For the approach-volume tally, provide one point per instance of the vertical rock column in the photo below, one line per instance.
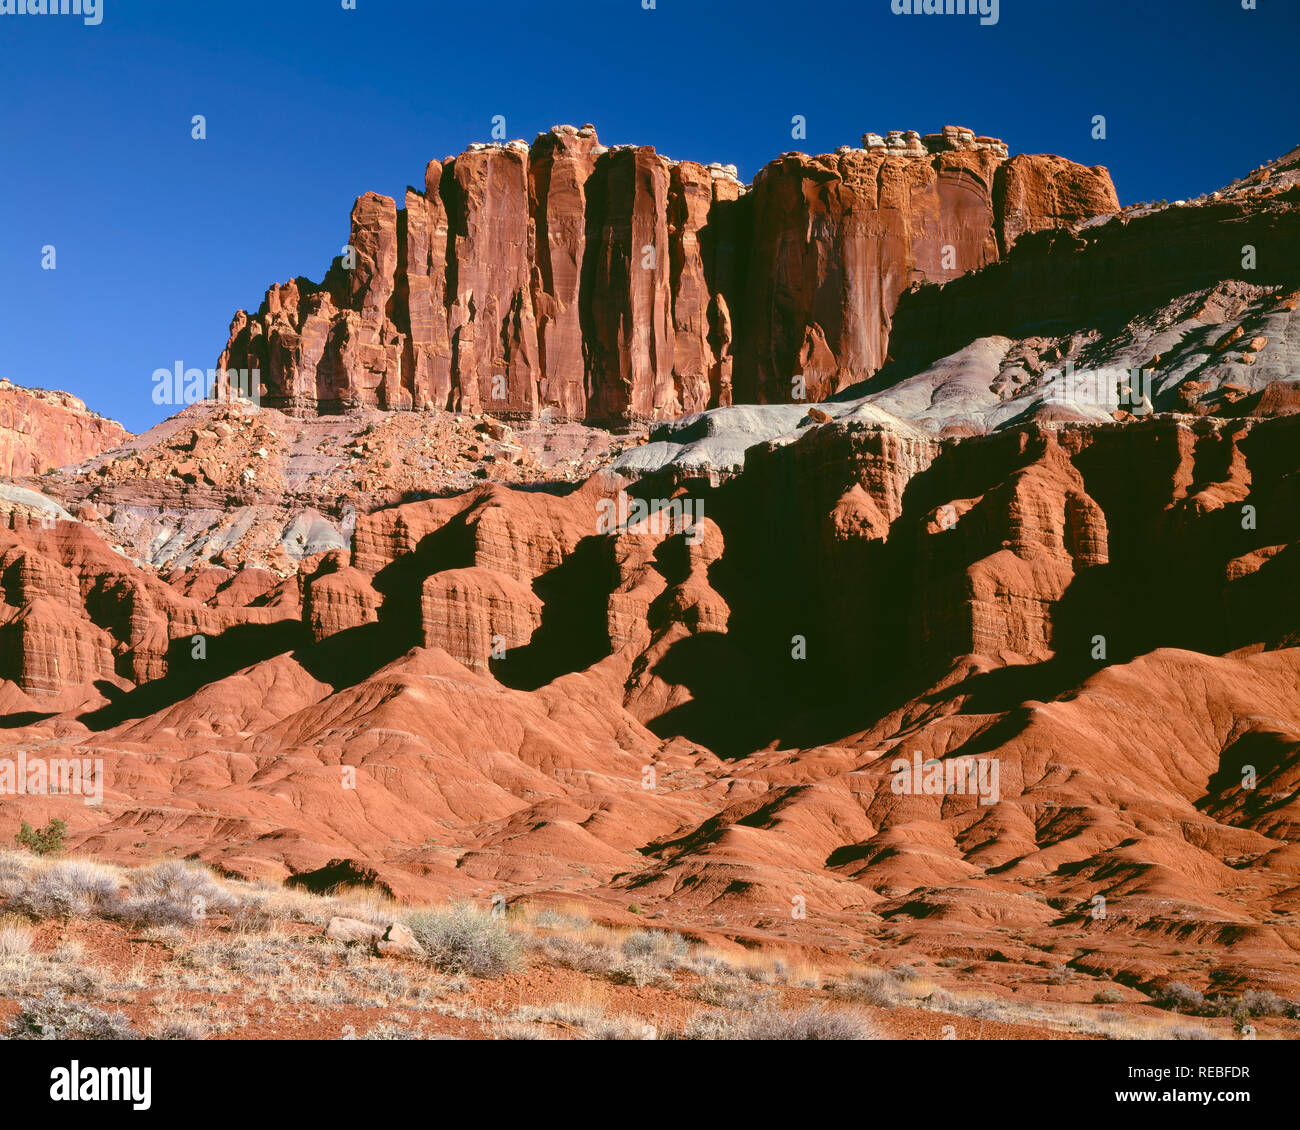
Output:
(428, 352)
(626, 296)
(369, 342)
(560, 164)
(493, 327)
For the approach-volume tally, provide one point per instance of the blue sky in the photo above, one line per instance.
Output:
(160, 238)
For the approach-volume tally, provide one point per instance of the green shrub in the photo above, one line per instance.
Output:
(42, 841)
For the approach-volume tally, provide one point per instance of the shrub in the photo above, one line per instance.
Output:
(68, 890)
(1262, 1002)
(180, 1028)
(558, 920)
(42, 841)
(713, 1026)
(875, 988)
(812, 1023)
(464, 938)
(520, 1030)
(589, 1019)
(1108, 996)
(15, 937)
(655, 944)
(617, 1028)
(1177, 997)
(52, 1017)
(638, 971)
(15, 869)
(173, 893)
(729, 994)
(386, 1030)
(582, 956)
(249, 955)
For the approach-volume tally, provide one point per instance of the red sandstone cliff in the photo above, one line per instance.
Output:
(576, 282)
(40, 430)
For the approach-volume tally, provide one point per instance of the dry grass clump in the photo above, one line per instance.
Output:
(180, 1028)
(811, 1023)
(249, 955)
(876, 987)
(585, 1020)
(639, 971)
(391, 1030)
(15, 868)
(729, 993)
(53, 1017)
(15, 936)
(172, 893)
(655, 945)
(580, 956)
(68, 889)
(556, 919)
(1178, 997)
(464, 938)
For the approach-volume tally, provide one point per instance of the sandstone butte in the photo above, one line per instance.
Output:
(1102, 604)
(615, 285)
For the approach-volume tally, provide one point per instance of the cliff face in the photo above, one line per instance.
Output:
(1107, 274)
(578, 282)
(40, 430)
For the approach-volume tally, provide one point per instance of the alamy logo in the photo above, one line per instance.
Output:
(1108, 389)
(959, 776)
(660, 516)
(75, 1083)
(179, 385)
(56, 776)
(90, 10)
(987, 10)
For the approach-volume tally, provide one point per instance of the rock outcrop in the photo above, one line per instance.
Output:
(40, 430)
(570, 281)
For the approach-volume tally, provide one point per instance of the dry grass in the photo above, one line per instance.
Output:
(814, 1022)
(903, 987)
(226, 955)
